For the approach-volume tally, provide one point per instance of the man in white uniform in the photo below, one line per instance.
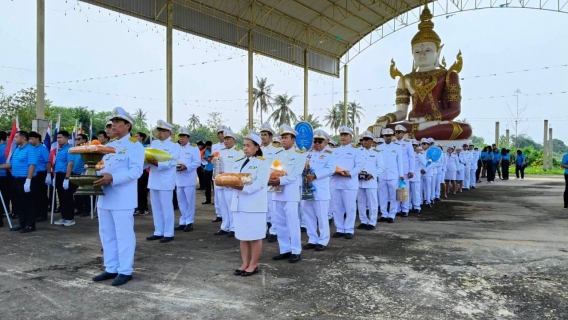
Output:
(315, 211)
(217, 148)
(473, 169)
(286, 202)
(389, 179)
(229, 155)
(415, 192)
(345, 184)
(186, 180)
(161, 184)
(466, 158)
(407, 164)
(367, 195)
(269, 153)
(119, 180)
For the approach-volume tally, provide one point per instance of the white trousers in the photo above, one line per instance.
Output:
(426, 188)
(301, 215)
(315, 215)
(288, 226)
(163, 212)
(270, 215)
(435, 183)
(404, 205)
(466, 178)
(186, 203)
(116, 229)
(388, 194)
(330, 210)
(415, 193)
(367, 198)
(217, 200)
(344, 209)
(225, 198)
(438, 186)
(472, 179)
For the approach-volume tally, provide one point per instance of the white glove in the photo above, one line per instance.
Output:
(48, 179)
(27, 185)
(66, 184)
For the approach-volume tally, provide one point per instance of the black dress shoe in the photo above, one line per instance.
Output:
(294, 258)
(303, 229)
(320, 247)
(330, 221)
(105, 276)
(18, 228)
(370, 227)
(188, 227)
(382, 219)
(390, 220)
(349, 236)
(272, 238)
(206, 202)
(231, 234)
(166, 239)
(246, 273)
(362, 226)
(405, 214)
(121, 279)
(218, 219)
(180, 227)
(41, 219)
(84, 214)
(27, 230)
(238, 272)
(309, 246)
(338, 235)
(429, 205)
(282, 256)
(437, 199)
(152, 238)
(473, 187)
(221, 232)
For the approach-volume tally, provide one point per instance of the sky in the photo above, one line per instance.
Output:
(84, 42)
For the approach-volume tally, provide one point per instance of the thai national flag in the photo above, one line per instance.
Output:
(53, 149)
(11, 145)
(47, 140)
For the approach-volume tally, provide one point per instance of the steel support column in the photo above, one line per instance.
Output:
(169, 62)
(345, 95)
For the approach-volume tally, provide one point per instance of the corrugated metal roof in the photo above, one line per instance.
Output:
(282, 29)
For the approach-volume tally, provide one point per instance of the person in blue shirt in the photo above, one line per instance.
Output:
(208, 171)
(4, 178)
(42, 178)
(565, 166)
(63, 168)
(497, 161)
(487, 158)
(23, 163)
(82, 203)
(505, 163)
(520, 164)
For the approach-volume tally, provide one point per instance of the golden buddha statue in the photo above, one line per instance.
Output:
(435, 91)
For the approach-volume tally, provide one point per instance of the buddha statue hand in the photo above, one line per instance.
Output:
(381, 123)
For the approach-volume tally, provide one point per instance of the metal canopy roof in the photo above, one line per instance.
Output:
(282, 29)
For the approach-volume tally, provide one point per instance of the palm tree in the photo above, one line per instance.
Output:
(334, 117)
(262, 96)
(140, 118)
(354, 112)
(314, 121)
(282, 113)
(193, 121)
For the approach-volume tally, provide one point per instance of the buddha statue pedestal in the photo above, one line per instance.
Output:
(434, 91)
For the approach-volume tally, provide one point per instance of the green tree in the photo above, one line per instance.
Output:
(262, 96)
(478, 141)
(354, 114)
(193, 122)
(140, 118)
(334, 117)
(214, 120)
(282, 113)
(314, 121)
(22, 105)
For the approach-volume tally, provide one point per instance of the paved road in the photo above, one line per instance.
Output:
(499, 252)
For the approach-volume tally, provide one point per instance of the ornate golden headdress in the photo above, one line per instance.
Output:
(426, 31)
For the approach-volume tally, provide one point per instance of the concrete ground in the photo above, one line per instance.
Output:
(498, 252)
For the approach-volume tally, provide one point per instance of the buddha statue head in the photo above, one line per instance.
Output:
(426, 44)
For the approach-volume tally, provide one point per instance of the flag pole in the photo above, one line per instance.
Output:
(6, 210)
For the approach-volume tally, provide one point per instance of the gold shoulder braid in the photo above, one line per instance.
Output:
(132, 139)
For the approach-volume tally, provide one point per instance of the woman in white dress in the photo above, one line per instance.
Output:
(452, 168)
(249, 205)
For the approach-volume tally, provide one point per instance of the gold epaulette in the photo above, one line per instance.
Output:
(261, 158)
(406, 140)
(377, 150)
(237, 148)
(328, 151)
(299, 151)
(132, 139)
(193, 145)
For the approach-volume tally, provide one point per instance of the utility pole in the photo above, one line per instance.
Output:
(516, 117)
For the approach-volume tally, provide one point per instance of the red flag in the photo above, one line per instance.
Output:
(11, 145)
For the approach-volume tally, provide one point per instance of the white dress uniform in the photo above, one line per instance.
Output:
(344, 189)
(415, 191)
(407, 166)
(217, 148)
(161, 185)
(473, 170)
(461, 166)
(428, 177)
(316, 211)
(115, 207)
(388, 181)
(229, 157)
(269, 153)
(467, 168)
(248, 206)
(286, 202)
(452, 166)
(186, 181)
(330, 210)
(373, 164)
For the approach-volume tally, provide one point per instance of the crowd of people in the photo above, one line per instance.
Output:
(346, 178)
